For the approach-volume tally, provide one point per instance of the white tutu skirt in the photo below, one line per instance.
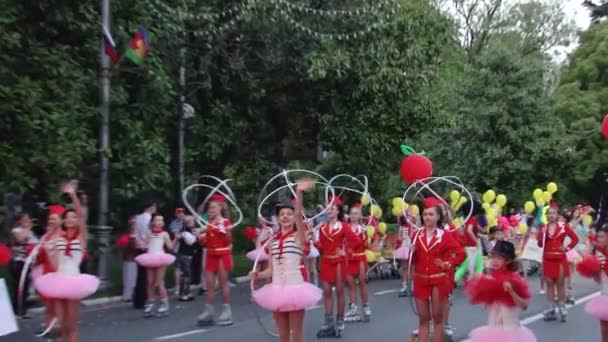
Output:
(254, 254)
(154, 260)
(314, 253)
(63, 286)
(287, 298)
(598, 308)
(402, 253)
(499, 334)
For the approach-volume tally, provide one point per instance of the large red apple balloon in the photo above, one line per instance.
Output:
(605, 127)
(415, 167)
(5, 254)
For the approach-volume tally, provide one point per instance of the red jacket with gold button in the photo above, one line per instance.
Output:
(443, 247)
(554, 243)
(357, 253)
(332, 239)
(218, 237)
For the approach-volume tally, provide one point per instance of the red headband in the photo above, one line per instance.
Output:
(430, 202)
(357, 205)
(56, 209)
(218, 198)
(335, 200)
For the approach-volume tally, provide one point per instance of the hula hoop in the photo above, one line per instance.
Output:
(285, 174)
(214, 190)
(424, 184)
(255, 310)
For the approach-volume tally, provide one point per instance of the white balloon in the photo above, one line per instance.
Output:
(188, 238)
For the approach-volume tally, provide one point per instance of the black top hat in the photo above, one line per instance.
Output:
(504, 249)
(288, 203)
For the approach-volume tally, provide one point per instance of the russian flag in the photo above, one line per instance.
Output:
(109, 46)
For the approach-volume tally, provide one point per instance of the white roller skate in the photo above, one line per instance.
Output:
(328, 329)
(570, 296)
(163, 308)
(225, 318)
(206, 318)
(550, 314)
(149, 309)
(367, 313)
(340, 325)
(562, 312)
(352, 314)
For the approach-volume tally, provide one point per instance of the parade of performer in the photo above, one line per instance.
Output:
(66, 286)
(434, 254)
(217, 239)
(156, 260)
(505, 294)
(288, 295)
(555, 264)
(334, 237)
(595, 265)
(357, 269)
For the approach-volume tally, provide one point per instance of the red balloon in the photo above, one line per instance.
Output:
(605, 127)
(415, 167)
(5, 254)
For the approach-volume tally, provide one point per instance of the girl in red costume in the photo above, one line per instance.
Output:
(357, 268)
(555, 265)
(434, 254)
(505, 293)
(217, 238)
(66, 286)
(334, 236)
(595, 265)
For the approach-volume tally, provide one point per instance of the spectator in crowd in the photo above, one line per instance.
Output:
(142, 229)
(22, 239)
(175, 227)
(129, 267)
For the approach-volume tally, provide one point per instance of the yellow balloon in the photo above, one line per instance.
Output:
(523, 228)
(414, 210)
(489, 196)
(460, 203)
(374, 209)
(540, 202)
(370, 255)
(537, 194)
(382, 228)
(454, 195)
(486, 206)
(366, 199)
(501, 200)
(370, 231)
(529, 207)
(552, 187)
(378, 213)
(398, 202)
(492, 222)
(397, 212)
(491, 213)
(547, 197)
(587, 220)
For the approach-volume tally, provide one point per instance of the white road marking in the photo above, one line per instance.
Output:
(185, 333)
(380, 293)
(540, 316)
(313, 307)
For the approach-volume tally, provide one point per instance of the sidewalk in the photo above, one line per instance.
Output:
(107, 301)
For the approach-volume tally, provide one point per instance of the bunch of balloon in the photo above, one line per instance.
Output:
(491, 208)
(457, 200)
(399, 206)
(543, 198)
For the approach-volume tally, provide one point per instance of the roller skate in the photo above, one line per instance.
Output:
(403, 292)
(562, 312)
(328, 329)
(149, 309)
(352, 314)
(367, 313)
(163, 308)
(225, 318)
(570, 296)
(340, 325)
(550, 315)
(206, 318)
(414, 336)
(448, 333)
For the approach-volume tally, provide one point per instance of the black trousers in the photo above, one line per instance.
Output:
(15, 268)
(197, 265)
(140, 294)
(184, 263)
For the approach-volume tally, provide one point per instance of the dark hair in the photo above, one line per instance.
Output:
(493, 230)
(155, 215)
(514, 265)
(65, 215)
(439, 212)
(21, 215)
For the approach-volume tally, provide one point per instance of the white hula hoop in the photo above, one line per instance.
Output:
(214, 190)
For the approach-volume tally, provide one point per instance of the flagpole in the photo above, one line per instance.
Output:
(102, 230)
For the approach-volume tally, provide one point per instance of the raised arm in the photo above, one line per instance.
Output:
(301, 186)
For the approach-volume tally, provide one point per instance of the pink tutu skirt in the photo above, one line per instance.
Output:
(154, 260)
(497, 334)
(62, 286)
(402, 253)
(254, 254)
(287, 298)
(572, 256)
(598, 308)
(36, 272)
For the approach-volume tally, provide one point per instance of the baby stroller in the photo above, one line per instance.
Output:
(380, 257)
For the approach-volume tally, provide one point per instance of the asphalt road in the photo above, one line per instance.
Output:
(392, 320)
